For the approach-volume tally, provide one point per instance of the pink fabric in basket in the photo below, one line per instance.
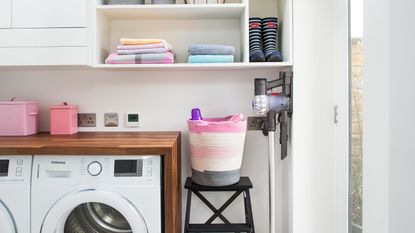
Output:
(216, 152)
(229, 124)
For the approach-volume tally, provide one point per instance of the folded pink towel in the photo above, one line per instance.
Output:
(230, 124)
(150, 58)
(146, 46)
(141, 51)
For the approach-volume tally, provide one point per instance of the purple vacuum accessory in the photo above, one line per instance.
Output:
(196, 114)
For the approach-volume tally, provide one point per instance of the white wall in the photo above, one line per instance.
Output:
(389, 160)
(376, 118)
(164, 101)
(402, 115)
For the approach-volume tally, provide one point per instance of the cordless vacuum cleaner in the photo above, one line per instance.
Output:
(271, 105)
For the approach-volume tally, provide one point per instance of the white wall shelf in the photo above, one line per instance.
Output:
(186, 66)
(179, 11)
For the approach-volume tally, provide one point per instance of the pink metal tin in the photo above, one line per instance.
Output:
(63, 119)
(18, 118)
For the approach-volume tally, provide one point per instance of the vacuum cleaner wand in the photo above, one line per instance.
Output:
(271, 105)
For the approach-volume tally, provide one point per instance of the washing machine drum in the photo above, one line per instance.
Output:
(95, 217)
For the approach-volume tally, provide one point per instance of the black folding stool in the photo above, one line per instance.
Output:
(242, 187)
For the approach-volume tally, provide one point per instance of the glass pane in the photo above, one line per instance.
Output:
(356, 190)
(96, 218)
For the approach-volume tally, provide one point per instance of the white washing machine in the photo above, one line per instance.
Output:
(15, 174)
(96, 194)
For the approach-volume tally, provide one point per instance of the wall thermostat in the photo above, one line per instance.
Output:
(133, 120)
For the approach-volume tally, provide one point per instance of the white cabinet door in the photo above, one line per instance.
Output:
(43, 56)
(49, 13)
(5, 13)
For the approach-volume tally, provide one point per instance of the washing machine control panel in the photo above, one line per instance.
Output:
(121, 169)
(14, 169)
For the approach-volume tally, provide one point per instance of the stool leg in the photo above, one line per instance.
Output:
(246, 208)
(250, 216)
(188, 208)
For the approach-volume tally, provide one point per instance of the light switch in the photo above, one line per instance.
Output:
(111, 119)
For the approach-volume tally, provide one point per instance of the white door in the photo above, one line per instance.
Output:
(49, 13)
(6, 220)
(93, 211)
(319, 144)
(5, 13)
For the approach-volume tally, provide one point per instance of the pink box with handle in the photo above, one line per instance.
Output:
(18, 118)
(63, 119)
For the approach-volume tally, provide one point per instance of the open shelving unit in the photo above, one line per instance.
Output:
(176, 11)
(184, 24)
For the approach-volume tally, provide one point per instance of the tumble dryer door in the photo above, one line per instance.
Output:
(93, 210)
(7, 224)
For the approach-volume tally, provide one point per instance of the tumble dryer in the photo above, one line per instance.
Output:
(96, 194)
(15, 174)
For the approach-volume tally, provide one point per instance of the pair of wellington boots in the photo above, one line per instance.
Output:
(263, 40)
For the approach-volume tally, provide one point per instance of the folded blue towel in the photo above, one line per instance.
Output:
(206, 49)
(211, 58)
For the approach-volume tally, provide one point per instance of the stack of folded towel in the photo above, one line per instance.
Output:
(205, 53)
(142, 51)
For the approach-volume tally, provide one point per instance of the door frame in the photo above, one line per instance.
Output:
(342, 110)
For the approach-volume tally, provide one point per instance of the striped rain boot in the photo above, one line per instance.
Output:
(255, 40)
(270, 39)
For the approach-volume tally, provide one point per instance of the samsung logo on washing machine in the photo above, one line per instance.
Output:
(58, 162)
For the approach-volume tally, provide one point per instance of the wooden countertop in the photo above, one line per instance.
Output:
(90, 143)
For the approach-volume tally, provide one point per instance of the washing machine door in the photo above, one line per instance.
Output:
(94, 211)
(7, 224)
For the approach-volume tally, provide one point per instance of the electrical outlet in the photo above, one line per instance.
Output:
(255, 123)
(87, 120)
(111, 119)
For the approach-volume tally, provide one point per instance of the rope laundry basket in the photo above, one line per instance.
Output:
(205, 1)
(216, 146)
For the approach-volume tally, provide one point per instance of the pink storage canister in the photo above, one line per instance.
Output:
(18, 118)
(63, 119)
